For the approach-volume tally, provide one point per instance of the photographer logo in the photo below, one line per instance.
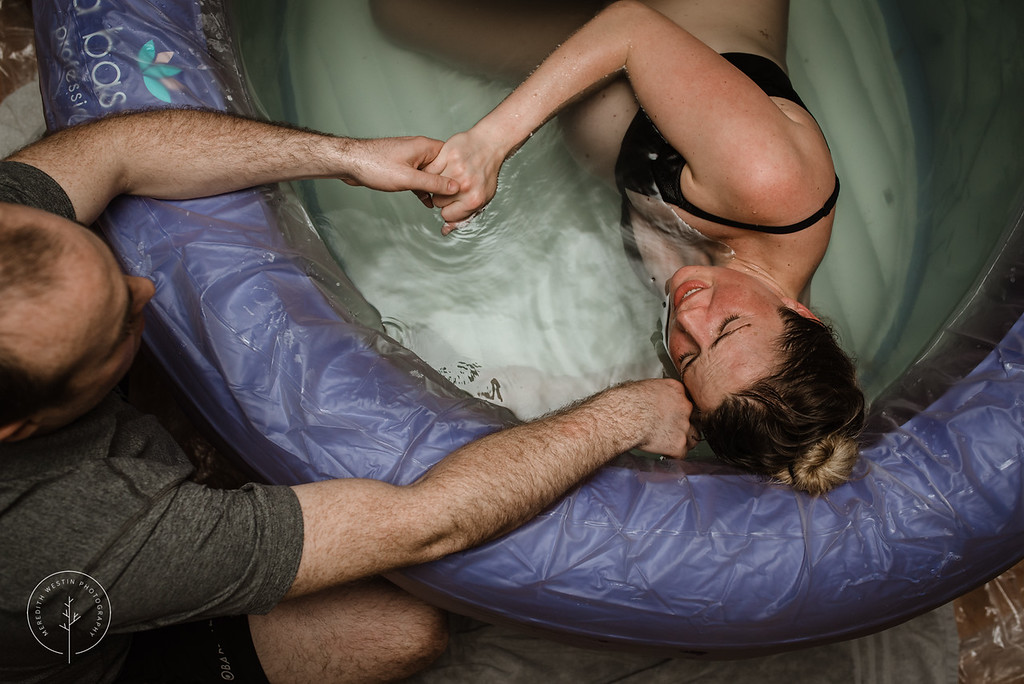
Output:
(68, 613)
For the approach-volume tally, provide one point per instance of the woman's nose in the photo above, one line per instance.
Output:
(694, 322)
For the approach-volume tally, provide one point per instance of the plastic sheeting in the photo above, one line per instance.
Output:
(991, 625)
(685, 558)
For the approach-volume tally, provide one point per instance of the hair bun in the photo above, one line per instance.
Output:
(826, 465)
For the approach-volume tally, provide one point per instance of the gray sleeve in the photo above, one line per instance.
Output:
(27, 185)
(109, 496)
(199, 552)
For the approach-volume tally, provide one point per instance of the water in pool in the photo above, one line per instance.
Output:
(534, 304)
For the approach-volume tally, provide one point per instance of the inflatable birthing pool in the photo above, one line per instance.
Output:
(313, 370)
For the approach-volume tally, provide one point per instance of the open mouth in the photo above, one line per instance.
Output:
(687, 289)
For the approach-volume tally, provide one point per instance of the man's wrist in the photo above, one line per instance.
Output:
(616, 414)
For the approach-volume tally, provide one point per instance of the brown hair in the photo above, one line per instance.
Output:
(26, 257)
(800, 424)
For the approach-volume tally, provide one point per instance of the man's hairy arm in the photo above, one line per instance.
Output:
(183, 153)
(356, 528)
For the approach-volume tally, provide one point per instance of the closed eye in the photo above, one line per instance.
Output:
(721, 329)
(686, 360)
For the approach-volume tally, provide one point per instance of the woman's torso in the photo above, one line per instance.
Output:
(596, 127)
(648, 166)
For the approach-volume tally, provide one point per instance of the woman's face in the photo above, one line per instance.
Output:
(721, 330)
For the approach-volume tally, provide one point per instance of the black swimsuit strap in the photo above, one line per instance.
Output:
(648, 164)
(768, 75)
(691, 208)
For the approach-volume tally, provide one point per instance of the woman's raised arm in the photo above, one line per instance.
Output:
(735, 138)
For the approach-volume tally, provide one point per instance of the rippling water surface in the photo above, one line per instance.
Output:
(533, 304)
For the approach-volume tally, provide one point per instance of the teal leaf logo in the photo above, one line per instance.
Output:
(157, 73)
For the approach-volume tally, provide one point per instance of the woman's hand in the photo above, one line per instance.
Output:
(473, 160)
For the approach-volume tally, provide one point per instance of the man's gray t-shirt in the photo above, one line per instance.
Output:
(108, 498)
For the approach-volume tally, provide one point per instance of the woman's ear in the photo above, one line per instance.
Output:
(799, 308)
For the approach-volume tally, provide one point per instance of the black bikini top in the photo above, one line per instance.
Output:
(647, 163)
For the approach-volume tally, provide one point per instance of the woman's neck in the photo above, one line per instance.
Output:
(777, 284)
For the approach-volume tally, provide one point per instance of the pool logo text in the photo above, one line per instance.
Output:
(93, 67)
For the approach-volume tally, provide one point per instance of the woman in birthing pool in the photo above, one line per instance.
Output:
(728, 190)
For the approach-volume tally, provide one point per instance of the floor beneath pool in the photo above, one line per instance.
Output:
(989, 620)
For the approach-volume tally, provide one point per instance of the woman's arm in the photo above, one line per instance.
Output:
(742, 148)
(178, 154)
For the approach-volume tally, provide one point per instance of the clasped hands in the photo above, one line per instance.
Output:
(460, 177)
(473, 161)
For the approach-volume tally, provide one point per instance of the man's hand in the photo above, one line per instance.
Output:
(186, 153)
(395, 164)
(662, 410)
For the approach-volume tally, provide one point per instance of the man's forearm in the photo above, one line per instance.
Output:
(180, 154)
(495, 484)
(355, 528)
(176, 154)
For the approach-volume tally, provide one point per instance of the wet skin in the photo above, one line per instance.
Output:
(722, 327)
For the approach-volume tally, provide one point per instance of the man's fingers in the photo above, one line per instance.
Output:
(422, 181)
